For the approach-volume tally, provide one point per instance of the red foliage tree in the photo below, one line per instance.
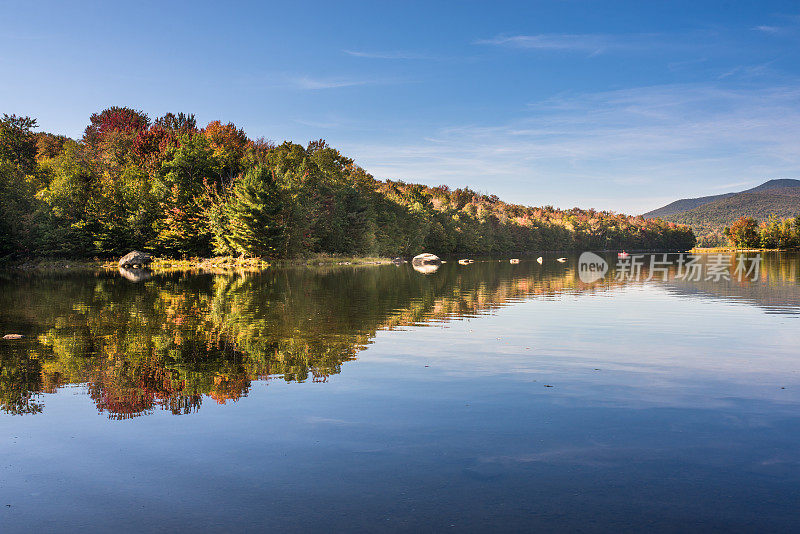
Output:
(229, 144)
(120, 119)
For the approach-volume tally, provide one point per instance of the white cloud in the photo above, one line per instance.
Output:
(598, 43)
(309, 83)
(576, 42)
(387, 55)
(687, 48)
(625, 147)
(318, 124)
(788, 27)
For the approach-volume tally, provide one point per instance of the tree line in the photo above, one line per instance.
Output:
(774, 233)
(173, 188)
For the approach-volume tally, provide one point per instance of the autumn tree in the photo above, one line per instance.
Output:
(229, 145)
(254, 220)
(18, 182)
(743, 233)
(49, 145)
(188, 180)
(18, 142)
(114, 119)
(179, 123)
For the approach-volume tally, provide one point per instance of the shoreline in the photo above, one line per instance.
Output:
(212, 265)
(712, 250)
(223, 264)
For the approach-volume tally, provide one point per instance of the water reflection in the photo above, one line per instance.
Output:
(135, 275)
(427, 268)
(169, 342)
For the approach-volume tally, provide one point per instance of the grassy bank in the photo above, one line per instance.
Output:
(217, 264)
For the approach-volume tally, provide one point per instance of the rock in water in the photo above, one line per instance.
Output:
(426, 259)
(135, 259)
(12, 336)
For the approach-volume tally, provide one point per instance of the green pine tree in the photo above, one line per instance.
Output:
(252, 221)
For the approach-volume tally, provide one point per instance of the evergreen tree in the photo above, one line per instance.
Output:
(185, 189)
(253, 221)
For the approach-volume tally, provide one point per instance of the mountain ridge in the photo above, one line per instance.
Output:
(686, 204)
(708, 216)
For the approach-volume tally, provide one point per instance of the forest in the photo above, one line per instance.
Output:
(709, 220)
(172, 188)
(774, 233)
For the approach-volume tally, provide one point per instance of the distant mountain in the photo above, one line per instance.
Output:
(759, 205)
(709, 215)
(784, 183)
(682, 205)
(687, 204)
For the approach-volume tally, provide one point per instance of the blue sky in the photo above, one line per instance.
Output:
(611, 105)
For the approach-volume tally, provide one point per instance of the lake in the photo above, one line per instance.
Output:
(482, 397)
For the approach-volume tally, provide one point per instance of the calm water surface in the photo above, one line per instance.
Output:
(485, 397)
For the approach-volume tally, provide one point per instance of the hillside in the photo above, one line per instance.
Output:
(715, 215)
(170, 187)
(708, 216)
(686, 204)
(682, 205)
(783, 183)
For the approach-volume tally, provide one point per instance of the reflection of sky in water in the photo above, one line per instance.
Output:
(635, 344)
(666, 413)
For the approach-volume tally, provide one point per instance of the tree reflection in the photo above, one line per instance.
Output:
(173, 341)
